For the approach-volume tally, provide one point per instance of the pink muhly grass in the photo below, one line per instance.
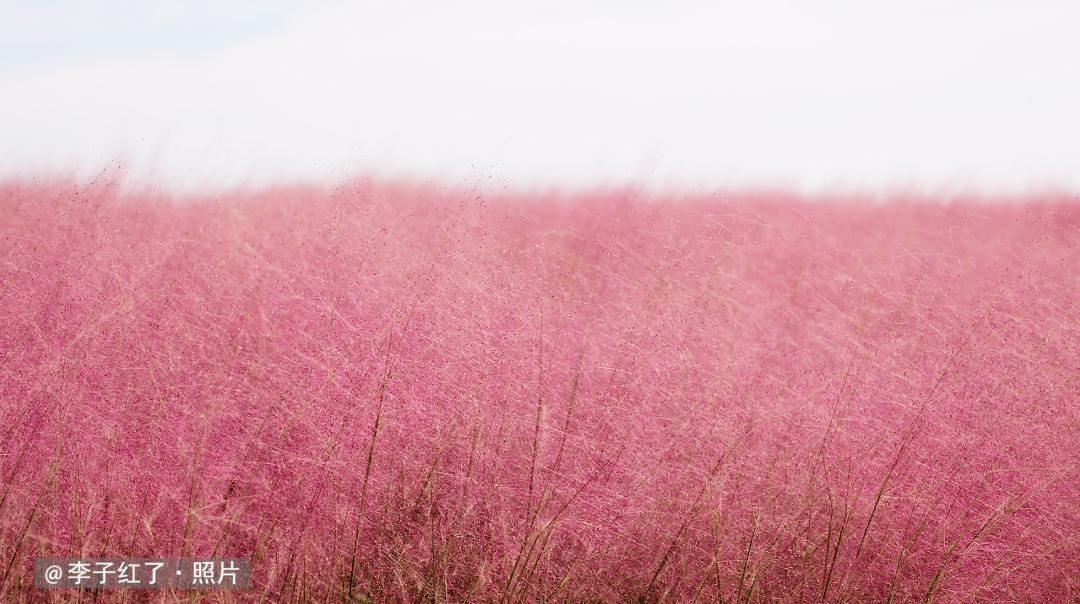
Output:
(385, 392)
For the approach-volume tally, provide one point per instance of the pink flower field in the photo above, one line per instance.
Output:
(393, 392)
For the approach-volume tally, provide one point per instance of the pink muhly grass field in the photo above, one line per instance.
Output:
(384, 392)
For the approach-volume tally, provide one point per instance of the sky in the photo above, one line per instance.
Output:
(809, 96)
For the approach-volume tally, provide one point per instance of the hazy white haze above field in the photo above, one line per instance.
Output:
(840, 93)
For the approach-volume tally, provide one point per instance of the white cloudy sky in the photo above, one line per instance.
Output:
(797, 94)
